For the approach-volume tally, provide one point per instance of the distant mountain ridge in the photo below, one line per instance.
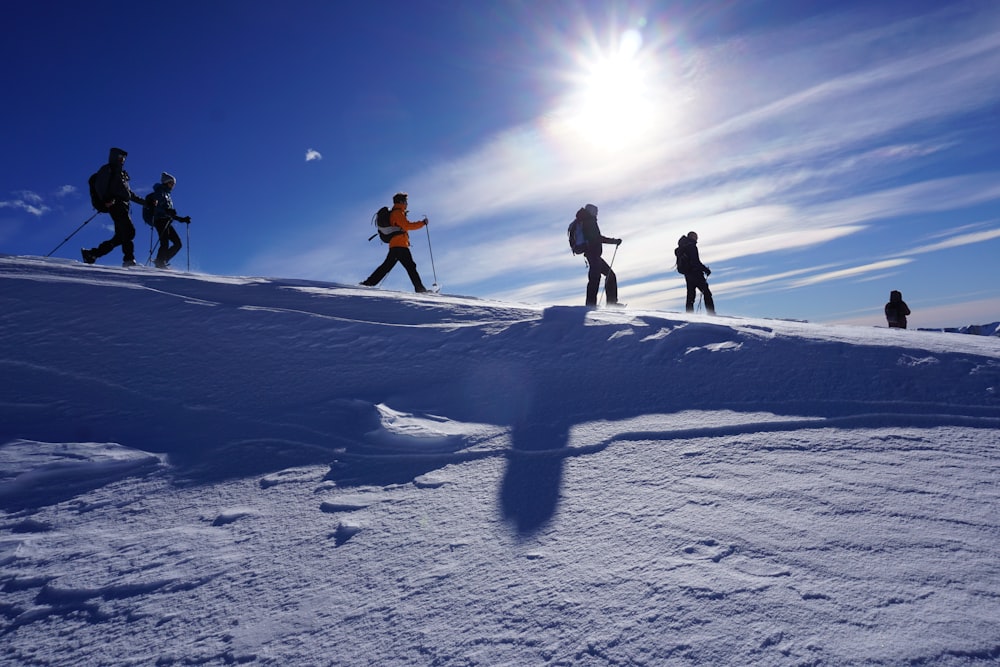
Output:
(974, 329)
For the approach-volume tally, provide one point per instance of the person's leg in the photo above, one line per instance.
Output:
(124, 234)
(598, 268)
(173, 242)
(691, 281)
(611, 287)
(709, 302)
(124, 231)
(383, 269)
(406, 259)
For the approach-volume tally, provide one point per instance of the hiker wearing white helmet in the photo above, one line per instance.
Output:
(159, 212)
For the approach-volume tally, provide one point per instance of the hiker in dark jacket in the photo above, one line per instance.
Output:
(163, 217)
(694, 272)
(112, 182)
(896, 310)
(598, 267)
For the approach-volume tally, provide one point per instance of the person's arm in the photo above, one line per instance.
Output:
(398, 218)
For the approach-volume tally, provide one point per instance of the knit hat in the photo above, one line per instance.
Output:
(167, 178)
(591, 209)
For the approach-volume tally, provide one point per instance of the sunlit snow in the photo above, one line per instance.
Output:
(218, 470)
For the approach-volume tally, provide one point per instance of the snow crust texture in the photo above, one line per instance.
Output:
(206, 470)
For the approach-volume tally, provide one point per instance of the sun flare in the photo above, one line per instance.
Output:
(612, 105)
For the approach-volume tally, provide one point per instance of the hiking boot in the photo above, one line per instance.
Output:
(160, 264)
(88, 256)
(128, 263)
(421, 289)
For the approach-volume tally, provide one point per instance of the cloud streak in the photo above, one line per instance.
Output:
(27, 201)
(788, 150)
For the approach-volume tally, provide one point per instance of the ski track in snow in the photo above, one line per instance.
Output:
(532, 486)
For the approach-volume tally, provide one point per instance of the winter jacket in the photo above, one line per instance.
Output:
(397, 217)
(896, 310)
(164, 207)
(113, 180)
(690, 248)
(592, 234)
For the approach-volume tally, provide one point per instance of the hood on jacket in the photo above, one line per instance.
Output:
(114, 154)
(895, 296)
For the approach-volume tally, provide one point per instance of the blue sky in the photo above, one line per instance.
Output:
(826, 153)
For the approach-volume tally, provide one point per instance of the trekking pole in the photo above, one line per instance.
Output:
(74, 233)
(187, 244)
(153, 247)
(431, 251)
(150, 258)
(605, 289)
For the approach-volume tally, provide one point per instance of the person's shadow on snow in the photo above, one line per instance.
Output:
(529, 493)
(530, 490)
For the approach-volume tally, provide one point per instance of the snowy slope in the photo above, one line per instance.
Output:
(214, 470)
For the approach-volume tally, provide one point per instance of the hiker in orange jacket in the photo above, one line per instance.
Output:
(399, 246)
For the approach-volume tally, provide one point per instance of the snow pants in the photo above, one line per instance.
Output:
(124, 233)
(170, 241)
(598, 268)
(698, 281)
(404, 257)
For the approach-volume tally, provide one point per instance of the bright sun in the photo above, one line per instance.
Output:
(613, 106)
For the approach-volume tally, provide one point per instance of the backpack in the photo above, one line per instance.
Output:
(148, 208)
(577, 243)
(683, 261)
(98, 183)
(386, 230)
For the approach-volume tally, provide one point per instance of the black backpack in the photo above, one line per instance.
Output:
(577, 242)
(148, 207)
(683, 261)
(98, 183)
(386, 230)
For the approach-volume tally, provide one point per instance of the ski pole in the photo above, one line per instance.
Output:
(151, 248)
(187, 243)
(605, 289)
(431, 251)
(74, 233)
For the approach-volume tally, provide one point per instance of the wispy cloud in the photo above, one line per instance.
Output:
(852, 272)
(26, 201)
(65, 191)
(779, 150)
(957, 241)
(312, 154)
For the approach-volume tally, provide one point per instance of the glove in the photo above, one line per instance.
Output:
(708, 271)
(618, 242)
(186, 218)
(426, 221)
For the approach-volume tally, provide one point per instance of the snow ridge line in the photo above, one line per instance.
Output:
(872, 421)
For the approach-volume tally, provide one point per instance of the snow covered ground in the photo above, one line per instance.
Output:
(214, 470)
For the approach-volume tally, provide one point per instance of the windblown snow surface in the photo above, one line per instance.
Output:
(206, 470)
